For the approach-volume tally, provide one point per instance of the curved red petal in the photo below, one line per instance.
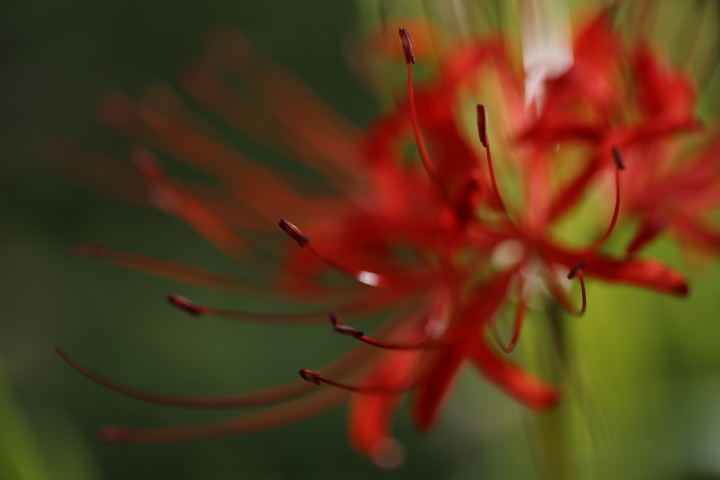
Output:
(642, 273)
(434, 389)
(523, 386)
(370, 414)
(444, 368)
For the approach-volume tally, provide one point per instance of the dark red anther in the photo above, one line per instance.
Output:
(617, 158)
(340, 327)
(184, 304)
(576, 269)
(482, 124)
(482, 133)
(310, 376)
(407, 47)
(294, 232)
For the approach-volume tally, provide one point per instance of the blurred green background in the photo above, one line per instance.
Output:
(651, 364)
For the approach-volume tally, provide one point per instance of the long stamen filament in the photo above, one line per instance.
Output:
(429, 166)
(272, 417)
(619, 165)
(314, 377)
(341, 328)
(558, 290)
(520, 314)
(191, 275)
(362, 307)
(267, 396)
(482, 133)
(362, 276)
(576, 271)
(289, 318)
(356, 362)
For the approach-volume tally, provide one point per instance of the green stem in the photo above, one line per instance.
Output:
(553, 427)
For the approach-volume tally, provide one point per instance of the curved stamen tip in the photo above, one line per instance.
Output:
(576, 269)
(340, 327)
(115, 434)
(90, 250)
(184, 304)
(407, 47)
(294, 232)
(617, 158)
(310, 376)
(482, 124)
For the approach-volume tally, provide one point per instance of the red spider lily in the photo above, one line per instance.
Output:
(434, 241)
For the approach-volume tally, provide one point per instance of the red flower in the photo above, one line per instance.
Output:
(433, 241)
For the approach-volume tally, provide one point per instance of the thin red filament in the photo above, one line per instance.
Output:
(619, 165)
(314, 377)
(362, 276)
(576, 271)
(343, 329)
(482, 133)
(429, 166)
(520, 314)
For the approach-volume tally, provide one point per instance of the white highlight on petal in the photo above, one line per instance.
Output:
(440, 314)
(561, 273)
(533, 284)
(507, 254)
(369, 278)
(546, 44)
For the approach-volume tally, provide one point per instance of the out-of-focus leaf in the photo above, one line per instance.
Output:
(19, 458)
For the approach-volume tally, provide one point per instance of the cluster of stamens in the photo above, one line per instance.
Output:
(465, 213)
(575, 272)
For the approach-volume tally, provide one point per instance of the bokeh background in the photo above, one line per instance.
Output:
(650, 365)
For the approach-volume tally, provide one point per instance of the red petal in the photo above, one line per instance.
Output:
(523, 386)
(643, 273)
(444, 369)
(592, 79)
(370, 414)
(694, 232)
(434, 390)
(650, 228)
(662, 91)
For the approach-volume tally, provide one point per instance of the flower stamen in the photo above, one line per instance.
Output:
(267, 396)
(520, 314)
(317, 379)
(576, 271)
(482, 133)
(559, 291)
(429, 166)
(619, 165)
(186, 305)
(362, 276)
(343, 329)
(258, 287)
(294, 232)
